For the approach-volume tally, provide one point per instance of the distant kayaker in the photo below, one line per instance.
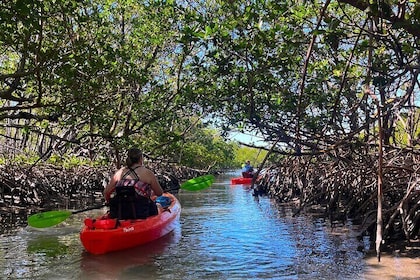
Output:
(247, 170)
(130, 190)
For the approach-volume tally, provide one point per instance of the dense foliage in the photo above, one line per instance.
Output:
(93, 77)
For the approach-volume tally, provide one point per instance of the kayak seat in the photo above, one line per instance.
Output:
(101, 223)
(128, 205)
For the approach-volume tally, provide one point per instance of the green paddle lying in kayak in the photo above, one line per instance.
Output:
(198, 183)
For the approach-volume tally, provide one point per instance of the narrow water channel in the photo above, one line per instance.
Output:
(224, 233)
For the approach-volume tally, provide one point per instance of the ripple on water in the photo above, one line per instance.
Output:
(224, 233)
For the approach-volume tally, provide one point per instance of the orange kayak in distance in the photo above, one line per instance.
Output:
(240, 180)
(103, 235)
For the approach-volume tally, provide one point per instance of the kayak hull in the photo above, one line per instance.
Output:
(240, 180)
(100, 236)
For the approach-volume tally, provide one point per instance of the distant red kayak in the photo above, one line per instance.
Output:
(100, 236)
(240, 180)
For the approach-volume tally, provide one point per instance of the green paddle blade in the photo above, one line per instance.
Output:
(198, 183)
(48, 219)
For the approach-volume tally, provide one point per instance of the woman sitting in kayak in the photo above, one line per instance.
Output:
(130, 191)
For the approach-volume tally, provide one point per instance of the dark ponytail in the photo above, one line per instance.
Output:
(133, 156)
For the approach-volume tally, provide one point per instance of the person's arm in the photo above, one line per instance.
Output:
(154, 183)
(111, 186)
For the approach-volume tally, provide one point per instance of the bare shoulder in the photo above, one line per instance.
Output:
(147, 171)
(119, 171)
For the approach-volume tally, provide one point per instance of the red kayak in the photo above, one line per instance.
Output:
(240, 180)
(103, 235)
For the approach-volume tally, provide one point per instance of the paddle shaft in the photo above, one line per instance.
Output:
(88, 209)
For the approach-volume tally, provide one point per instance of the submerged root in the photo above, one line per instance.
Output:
(345, 187)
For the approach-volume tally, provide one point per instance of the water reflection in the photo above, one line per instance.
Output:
(48, 246)
(224, 233)
(29, 253)
(128, 264)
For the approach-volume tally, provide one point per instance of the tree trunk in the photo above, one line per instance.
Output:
(379, 221)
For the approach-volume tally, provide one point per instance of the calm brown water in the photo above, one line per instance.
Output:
(224, 233)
